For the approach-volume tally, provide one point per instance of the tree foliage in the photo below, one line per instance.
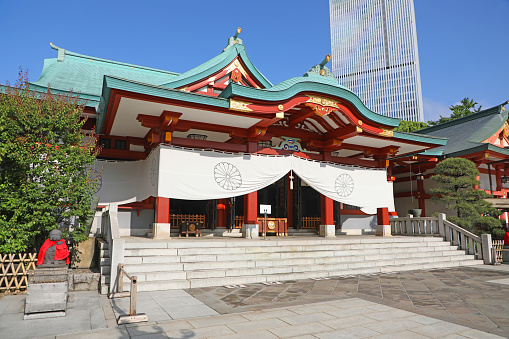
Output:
(410, 126)
(456, 178)
(466, 107)
(46, 175)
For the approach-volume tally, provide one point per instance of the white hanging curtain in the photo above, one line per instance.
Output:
(200, 175)
(127, 181)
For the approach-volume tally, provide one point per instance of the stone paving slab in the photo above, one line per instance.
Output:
(467, 296)
(84, 313)
(457, 303)
(281, 323)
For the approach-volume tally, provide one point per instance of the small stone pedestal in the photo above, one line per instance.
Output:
(328, 231)
(250, 231)
(505, 254)
(160, 230)
(46, 293)
(383, 231)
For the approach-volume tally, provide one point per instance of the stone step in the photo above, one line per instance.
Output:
(249, 279)
(200, 254)
(189, 263)
(143, 268)
(180, 244)
(208, 262)
(268, 268)
(105, 269)
(157, 276)
(104, 261)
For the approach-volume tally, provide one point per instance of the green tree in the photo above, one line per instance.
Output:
(456, 178)
(410, 126)
(466, 107)
(46, 174)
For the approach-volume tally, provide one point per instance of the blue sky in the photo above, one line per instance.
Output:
(463, 44)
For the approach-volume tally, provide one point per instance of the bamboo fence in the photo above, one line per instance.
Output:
(14, 271)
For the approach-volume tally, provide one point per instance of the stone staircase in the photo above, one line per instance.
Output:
(104, 265)
(190, 262)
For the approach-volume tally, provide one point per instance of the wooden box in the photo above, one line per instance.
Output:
(191, 227)
(275, 226)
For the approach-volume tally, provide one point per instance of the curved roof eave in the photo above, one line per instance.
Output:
(111, 82)
(306, 84)
(478, 148)
(421, 138)
(216, 64)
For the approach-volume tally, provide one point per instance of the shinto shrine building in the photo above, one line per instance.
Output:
(215, 142)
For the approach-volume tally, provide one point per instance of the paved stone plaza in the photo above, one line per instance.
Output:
(467, 302)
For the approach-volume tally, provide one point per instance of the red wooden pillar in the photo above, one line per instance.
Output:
(382, 214)
(478, 178)
(420, 196)
(327, 210)
(251, 208)
(221, 212)
(498, 179)
(162, 210)
(290, 205)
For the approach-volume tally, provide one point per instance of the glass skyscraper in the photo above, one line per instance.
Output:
(374, 53)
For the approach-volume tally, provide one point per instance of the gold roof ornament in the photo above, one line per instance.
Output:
(234, 39)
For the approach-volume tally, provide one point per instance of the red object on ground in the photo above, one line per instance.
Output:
(506, 238)
(61, 251)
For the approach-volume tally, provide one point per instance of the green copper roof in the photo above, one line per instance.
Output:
(84, 74)
(421, 138)
(312, 83)
(467, 133)
(216, 64)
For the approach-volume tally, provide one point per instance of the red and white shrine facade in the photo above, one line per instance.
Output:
(214, 143)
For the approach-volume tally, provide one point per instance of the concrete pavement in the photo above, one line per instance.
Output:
(455, 303)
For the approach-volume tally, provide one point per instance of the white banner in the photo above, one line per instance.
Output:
(127, 181)
(201, 175)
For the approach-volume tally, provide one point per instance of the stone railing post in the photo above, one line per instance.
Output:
(487, 253)
(409, 224)
(441, 229)
(116, 247)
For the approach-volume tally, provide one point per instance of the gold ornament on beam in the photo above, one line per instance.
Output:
(238, 105)
(386, 133)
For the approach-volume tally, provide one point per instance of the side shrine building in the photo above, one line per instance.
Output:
(214, 143)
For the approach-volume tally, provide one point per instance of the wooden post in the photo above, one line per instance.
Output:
(162, 210)
(221, 212)
(327, 211)
(327, 227)
(250, 227)
(134, 294)
(120, 277)
(383, 227)
(251, 208)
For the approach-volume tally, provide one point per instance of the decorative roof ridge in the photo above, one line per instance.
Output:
(63, 52)
(477, 115)
(234, 40)
(321, 69)
(219, 61)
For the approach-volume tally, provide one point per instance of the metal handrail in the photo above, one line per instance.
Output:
(132, 294)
